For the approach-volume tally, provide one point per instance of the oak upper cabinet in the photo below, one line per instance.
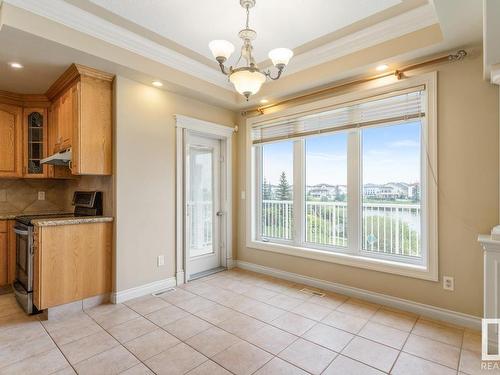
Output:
(81, 114)
(66, 119)
(11, 141)
(35, 133)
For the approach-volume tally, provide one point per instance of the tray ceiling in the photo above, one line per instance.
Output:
(292, 23)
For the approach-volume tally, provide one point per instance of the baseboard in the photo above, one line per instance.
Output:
(139, 291)
(432, 312)
(230, 263)
(179, 277)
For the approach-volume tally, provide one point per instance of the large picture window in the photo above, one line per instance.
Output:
(350, 183)
(326, 190)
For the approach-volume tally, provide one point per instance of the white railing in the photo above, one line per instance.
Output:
(277, 219)
(387, 228)
(200, 224)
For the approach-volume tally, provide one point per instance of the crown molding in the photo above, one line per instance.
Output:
(74, 72)
(24, 100)
(75, 18)
(78, 19)
(395, 27)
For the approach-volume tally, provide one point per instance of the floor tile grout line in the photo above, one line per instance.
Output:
(269, 323)
(163, 329)
(418, 317)
(58, 348)
(461, 351)
(401, 350)
(239, 337)
(123, 346)
(357, 335)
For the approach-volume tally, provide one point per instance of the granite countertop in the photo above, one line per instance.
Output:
(53, 221)
(9, 216)
(13, 215)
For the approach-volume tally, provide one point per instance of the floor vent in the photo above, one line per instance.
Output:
(160, 292)
(312, 292)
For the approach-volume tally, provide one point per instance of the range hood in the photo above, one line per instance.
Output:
(61, 158)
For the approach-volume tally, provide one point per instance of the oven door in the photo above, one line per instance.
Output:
(24, 256)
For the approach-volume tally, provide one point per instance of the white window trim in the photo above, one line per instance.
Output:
(429, 269)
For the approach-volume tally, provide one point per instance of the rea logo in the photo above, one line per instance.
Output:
(490, 340)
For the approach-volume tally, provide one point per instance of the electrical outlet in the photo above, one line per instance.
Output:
(41, 195)
(3, 195)
(161, 260)
(448, 283)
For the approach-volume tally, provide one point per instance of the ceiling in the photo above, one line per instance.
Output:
(167, 40)
(194, 23)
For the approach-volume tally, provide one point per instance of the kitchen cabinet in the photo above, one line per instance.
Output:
(4, 253)
(76, 113)
(35, 134)
(7, 252)
(65, 111)
(71, 263)
(11, 140)
(81, 114)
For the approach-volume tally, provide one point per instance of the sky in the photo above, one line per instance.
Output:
(389, 154)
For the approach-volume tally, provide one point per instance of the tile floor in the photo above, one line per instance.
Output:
(235, 322)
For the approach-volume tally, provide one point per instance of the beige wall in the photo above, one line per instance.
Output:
(468, 147)
(145, 178)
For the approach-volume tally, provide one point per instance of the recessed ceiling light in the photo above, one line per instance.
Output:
(16, 65)
(157, 83)
(264, 101)
(382, 67)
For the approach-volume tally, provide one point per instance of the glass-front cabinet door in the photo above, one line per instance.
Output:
(35, 142)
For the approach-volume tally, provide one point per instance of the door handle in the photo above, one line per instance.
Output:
(220, 213)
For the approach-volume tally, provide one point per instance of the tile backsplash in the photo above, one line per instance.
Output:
(21, 195)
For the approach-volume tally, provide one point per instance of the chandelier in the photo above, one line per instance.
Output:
(248, 79)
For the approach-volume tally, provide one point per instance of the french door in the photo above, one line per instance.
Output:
(203, 208)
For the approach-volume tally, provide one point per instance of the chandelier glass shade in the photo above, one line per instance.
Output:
(248, 78)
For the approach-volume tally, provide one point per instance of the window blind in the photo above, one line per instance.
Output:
(401, 106)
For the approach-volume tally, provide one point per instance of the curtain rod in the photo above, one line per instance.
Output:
(399, 73)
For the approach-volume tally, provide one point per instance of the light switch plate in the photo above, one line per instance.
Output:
(243, 195)
(161, 260)
(41, 195)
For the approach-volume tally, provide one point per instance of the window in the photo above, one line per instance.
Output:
(350, 182)
(326, 190)
(391, 190)
(276, 191)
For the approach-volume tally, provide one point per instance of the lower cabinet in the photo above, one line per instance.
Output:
(4, 253)
(72, 262)
(7, 252)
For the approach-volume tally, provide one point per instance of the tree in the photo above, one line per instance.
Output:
(283, 192)
(267, 192)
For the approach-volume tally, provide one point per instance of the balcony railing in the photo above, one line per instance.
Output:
(387, 228)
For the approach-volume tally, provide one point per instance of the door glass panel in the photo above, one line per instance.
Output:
(200, 201)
